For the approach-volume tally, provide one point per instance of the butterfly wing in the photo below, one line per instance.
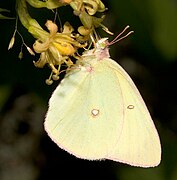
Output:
(85, 114)
(139, 143)
(99, 113)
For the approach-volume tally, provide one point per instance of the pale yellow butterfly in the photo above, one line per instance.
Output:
(97, 113)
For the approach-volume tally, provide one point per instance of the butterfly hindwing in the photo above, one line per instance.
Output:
(139, 143)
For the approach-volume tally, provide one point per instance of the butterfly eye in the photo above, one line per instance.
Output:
(95, 112)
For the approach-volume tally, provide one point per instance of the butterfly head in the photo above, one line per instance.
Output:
(102, 43)
(102, 50)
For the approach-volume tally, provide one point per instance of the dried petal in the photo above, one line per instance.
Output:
(11, 43)
(20, 56)
(48, 81)
(55, 77)
(30, 50)
(39, 46)
(68, 29)
(66, 1)
(84, 31)
(52, 27)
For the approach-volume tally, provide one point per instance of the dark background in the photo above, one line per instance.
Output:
(149, 56)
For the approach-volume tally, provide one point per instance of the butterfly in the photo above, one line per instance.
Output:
(96, 113)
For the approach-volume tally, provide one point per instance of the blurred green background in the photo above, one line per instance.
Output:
(149, 56)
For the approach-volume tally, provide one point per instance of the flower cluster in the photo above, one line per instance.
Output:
(60, 47)
(56, 48)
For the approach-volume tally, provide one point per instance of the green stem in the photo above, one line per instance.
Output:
(23, 13)
(29, 23)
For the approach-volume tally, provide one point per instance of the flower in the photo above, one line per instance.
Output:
(56, 48)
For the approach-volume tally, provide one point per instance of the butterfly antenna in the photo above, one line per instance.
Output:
(118, 38)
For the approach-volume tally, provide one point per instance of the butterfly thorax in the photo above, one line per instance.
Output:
(102, 53)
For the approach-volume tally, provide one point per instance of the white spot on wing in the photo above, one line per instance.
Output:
(130, 106)
(95, 112)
